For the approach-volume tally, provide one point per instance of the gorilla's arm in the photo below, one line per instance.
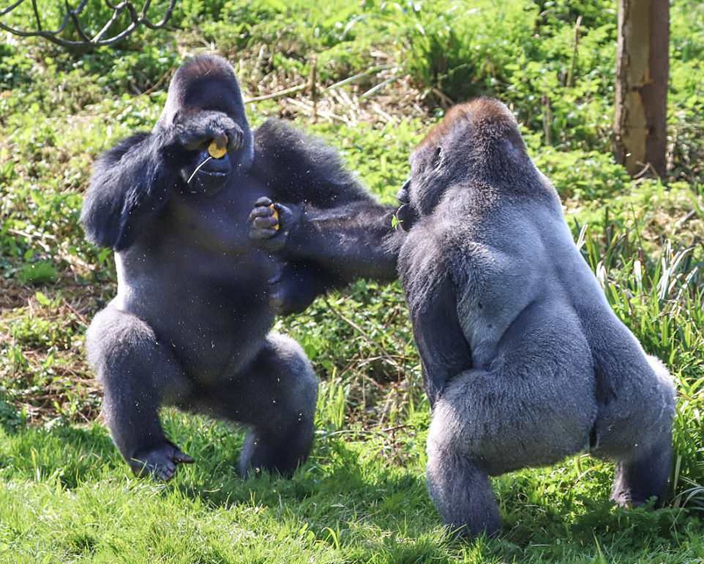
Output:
(131, 182)
(441, 343)
(352, 240)
(332, 220)
(129, 187)
(432, 300)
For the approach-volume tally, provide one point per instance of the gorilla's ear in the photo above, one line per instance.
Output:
(121, 198)
(516, 141)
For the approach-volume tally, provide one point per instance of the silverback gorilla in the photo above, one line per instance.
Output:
(523, 359)
(197, 286)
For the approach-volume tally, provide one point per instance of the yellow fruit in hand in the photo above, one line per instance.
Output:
(218, 146)
(276, 216)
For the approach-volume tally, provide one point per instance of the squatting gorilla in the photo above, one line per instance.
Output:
(523, 359)
(190, 325)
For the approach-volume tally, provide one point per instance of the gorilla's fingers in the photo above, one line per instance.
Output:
(261, 211)
(263, 201)
(287, 217)
(260, 234)
(165, 472)
(265, 222)
(235, 138)
(201, 129)
(181, 457)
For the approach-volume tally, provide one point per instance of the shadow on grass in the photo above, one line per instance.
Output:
(348, 486)
(333, 489)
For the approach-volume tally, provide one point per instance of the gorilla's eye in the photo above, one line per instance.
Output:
(437, 157)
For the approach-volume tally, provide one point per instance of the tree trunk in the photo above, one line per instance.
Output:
(641, 84)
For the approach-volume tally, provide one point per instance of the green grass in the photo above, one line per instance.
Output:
(65, 494)
(68, 497)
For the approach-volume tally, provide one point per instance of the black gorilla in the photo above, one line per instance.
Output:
(197, 287)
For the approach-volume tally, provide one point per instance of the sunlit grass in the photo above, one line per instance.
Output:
(65, 494)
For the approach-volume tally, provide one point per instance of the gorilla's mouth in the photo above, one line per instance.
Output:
(211, 173)
(216, 167)
(215, 173)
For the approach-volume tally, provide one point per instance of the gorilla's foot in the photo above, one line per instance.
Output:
(277, 456)
(644, 477)
(159, 462)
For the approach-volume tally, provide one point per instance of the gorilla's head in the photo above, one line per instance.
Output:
(476, 142)
(207, 83)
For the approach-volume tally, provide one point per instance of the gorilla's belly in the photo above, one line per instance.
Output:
(214, 319)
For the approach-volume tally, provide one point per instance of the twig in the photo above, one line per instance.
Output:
(385, 354)
(197, 169)
(158, 83)
(353, 78)
(547, 119)
(444, 98)
(78, 314)
(279, 94)
(136, 19)
(575, 50)
(302, 87)
(378, 87)
(314, 86)
(382, 432)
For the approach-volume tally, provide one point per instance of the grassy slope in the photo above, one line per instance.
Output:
(66, 496)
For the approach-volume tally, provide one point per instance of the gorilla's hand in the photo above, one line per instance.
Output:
(272, 223)
(194, 132)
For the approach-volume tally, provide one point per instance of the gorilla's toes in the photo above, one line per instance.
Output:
(159, 462)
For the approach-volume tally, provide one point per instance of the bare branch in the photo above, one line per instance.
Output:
(137, 17)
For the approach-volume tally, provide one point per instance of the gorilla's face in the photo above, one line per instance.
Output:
(210, 174)
(218, 154)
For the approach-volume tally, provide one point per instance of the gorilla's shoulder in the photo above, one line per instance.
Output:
(289, 160)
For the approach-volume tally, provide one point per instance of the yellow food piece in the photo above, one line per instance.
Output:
(216, 151)
(276, 215)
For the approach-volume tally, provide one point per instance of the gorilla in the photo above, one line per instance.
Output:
(198, 282)
(524, 362)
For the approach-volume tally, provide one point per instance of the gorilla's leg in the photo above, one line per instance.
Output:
(460, 490)
(637, 432)
(138, 375)
(525, 409)
(276, 396)
(643, 475)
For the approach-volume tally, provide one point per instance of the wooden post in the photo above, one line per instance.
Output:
(642, 72)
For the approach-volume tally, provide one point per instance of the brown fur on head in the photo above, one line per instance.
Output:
(476, 142)
(487, 119)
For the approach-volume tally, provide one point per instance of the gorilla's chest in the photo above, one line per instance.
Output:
(198, 280)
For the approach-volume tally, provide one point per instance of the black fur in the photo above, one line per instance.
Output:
(190, 326)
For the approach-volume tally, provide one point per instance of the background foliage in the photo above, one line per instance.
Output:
(384, 72)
